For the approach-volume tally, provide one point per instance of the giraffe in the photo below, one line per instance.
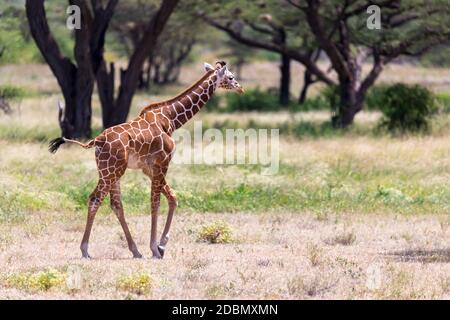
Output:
(145, 143)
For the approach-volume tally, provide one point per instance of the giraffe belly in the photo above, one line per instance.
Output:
(133, 161)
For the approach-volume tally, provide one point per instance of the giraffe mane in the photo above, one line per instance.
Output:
(156, 105)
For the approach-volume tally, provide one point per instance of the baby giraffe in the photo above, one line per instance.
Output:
(146, 143)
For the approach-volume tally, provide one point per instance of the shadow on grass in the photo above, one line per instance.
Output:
(422, 255)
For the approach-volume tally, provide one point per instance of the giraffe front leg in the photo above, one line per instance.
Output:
(155, 199)
(172, 201)
(117, 207)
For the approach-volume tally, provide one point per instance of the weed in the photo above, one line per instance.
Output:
(137, 283)
(217, 232)
(43, 280)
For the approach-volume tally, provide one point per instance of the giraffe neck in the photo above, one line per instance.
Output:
(191, 101)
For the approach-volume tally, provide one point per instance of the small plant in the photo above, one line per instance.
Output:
(137, 283)
(344, 238)
(314, 253)
(217, 232)
(217, 290)
(392, 195)
(42, 281)
(407, 108)
(311, 285)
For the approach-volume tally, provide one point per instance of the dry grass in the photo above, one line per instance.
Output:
(293, 262)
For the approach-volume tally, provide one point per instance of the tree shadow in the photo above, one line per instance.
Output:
(421, 255)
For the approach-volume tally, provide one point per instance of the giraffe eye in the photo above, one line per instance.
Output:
(230, 78)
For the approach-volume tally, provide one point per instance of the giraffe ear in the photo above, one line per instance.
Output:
(221, 71)
(208, 67)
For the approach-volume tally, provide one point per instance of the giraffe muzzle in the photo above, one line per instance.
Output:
(240, 90)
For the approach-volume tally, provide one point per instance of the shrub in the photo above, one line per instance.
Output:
(253, 100)
(407, 108)
(311, 104)
(217, 232)
(214, 104)
(137, 283)
(12, 92)
(374, 97)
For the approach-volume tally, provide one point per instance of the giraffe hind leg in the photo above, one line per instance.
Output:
(172, 201)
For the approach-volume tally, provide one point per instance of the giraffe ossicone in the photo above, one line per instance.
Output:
(146, 143)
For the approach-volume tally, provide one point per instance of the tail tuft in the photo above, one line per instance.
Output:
(55, 143)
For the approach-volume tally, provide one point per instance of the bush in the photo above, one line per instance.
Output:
(218, 232)
(407, 108)
(12, 92)
(317, 103)
(253, 100)
(374, 97)
(213, 104)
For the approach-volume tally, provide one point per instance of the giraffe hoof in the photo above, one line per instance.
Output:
(157, 257)
(137, 255)
(161, 250)
(86, 256)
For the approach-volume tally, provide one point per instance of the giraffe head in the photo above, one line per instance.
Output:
(225, 78)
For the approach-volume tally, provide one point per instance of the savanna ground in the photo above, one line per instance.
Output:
(353, 215)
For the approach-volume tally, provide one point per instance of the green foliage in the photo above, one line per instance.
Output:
(252, 100)
(407, 108)
(316, 103)
(437, 57)
(40, 281)
(214, 104)
(138, 283)
(374, 97)
(443, 101)
(217, 232)
(12, 92)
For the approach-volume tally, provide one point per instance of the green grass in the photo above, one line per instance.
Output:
(443, 101)
(346, 187)
(19, 133)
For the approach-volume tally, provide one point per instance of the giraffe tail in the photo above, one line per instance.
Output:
(55, 143)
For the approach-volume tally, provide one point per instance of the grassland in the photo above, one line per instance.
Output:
(358, 214)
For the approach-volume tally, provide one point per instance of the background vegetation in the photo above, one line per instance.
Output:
(371, 196)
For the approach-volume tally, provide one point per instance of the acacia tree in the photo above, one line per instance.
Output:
(116, 105)
(340, 29)
(270, 25)
(173, 45)
(76, 79)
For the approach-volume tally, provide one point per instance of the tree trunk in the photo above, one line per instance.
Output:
(76, 82)
(350, 103)
(285, 80)
(307, 81)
